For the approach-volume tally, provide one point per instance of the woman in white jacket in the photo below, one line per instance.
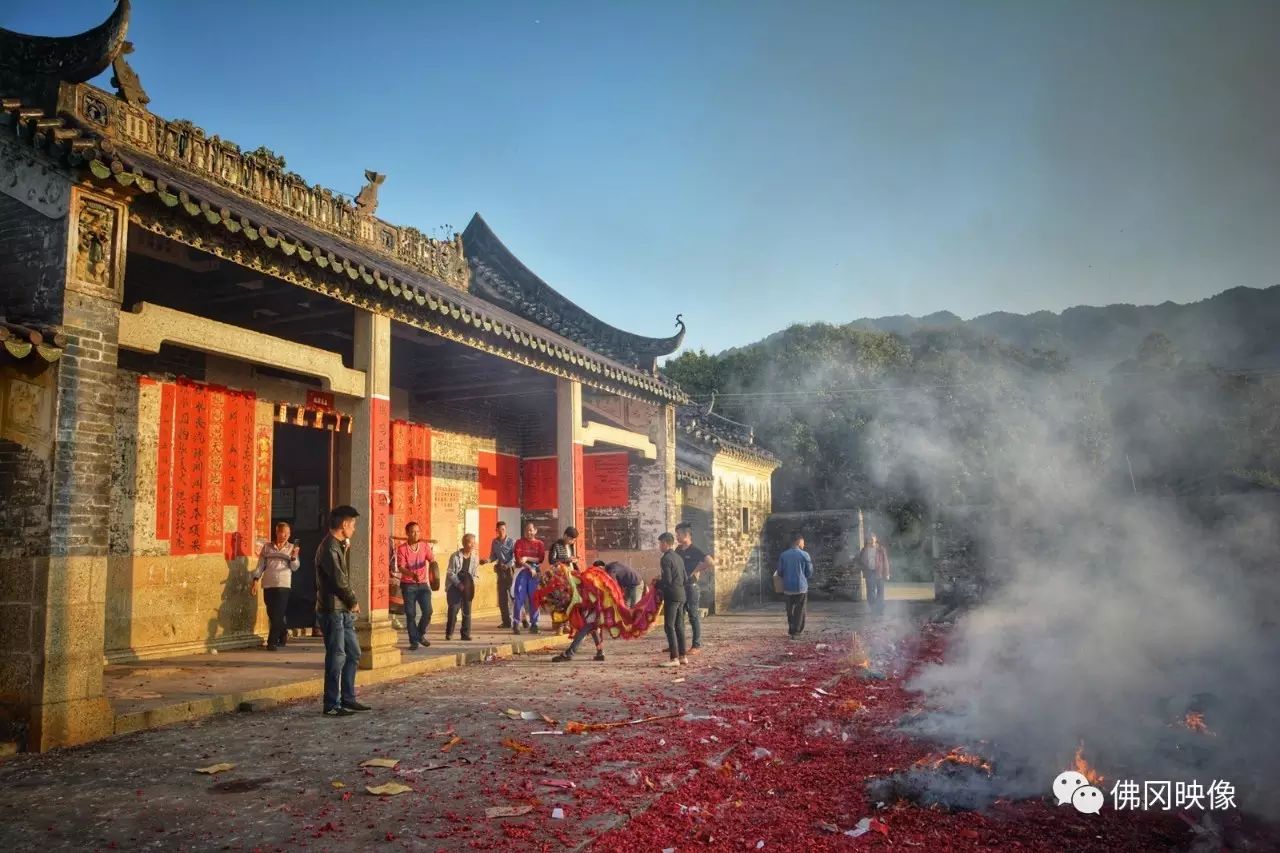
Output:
(277, 562)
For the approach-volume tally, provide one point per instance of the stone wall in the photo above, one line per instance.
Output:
(157, 602)
(831, 538)
(742, 500)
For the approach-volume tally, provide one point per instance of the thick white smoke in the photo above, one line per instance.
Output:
(1112, 614)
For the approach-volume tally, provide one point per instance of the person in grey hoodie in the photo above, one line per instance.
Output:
(460, 586)
(277, 561)
(795, 567)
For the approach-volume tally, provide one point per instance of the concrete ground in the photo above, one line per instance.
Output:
(143, 789)
(761, 743)
(149, 693)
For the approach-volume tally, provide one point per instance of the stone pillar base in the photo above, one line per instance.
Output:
(72, 723)
(377, 642)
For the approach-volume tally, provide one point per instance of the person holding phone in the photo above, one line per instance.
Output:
(277, 561)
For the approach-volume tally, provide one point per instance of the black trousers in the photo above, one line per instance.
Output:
(795, 612)
(456, 603)
(673, 613)
(277, 601)
(504, 594)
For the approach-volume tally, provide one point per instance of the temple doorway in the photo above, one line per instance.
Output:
(302, 494)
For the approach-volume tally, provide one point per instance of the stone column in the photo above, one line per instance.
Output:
(666, 441)
(370, 478)
(66, 268)
(569, 457)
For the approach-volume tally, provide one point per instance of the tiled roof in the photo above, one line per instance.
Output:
(718, 433)
(498, 276)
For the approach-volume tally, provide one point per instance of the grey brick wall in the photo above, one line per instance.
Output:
(32, 252)
(84, 427)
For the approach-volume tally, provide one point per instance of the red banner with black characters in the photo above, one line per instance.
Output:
(205, 465)
(164, 463)
(380, 485)
(411, 475)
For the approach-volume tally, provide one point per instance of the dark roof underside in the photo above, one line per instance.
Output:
(499, 277)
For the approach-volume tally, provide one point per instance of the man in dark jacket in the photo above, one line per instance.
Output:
(336, 610)
(696, 562)
(671, 584)
(627, 578)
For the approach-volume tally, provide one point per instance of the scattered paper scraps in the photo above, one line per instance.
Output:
(507, 811)
(390, 789)
(559, 783)
(380, 762)
(517, 746)
(453, 741)
(868, 825)
(215, 768)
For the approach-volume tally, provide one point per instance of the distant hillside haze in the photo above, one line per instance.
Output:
(1236, 329)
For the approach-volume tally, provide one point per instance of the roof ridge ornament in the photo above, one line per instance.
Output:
(125, 79)
(367, 198)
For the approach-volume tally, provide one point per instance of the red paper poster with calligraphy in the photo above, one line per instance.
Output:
(401, 476)
(379, 524)
(248, 409)
(605, 478)
(539, 479)
(164, 462)
(215, 400)
(422, 476)
(508, 481)
(262, 485)
(191, 437)
(487, 471)
(579, 515)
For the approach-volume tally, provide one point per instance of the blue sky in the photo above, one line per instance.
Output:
(753, 165)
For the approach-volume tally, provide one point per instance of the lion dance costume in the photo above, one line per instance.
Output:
(590, 599)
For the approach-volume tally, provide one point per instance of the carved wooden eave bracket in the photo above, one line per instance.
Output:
(23, 342)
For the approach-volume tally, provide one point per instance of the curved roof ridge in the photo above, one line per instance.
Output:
(38, 61)
(498, 276)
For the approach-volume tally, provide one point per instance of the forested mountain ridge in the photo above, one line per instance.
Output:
(938, 411)
(1234, 329)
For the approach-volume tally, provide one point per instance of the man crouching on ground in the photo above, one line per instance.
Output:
(336, 610)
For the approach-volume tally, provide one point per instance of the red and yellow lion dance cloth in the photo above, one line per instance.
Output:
(591, 598)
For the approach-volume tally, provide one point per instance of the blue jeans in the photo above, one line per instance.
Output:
(417, 596)
(341, 657)
(693, 603)
(875, 591)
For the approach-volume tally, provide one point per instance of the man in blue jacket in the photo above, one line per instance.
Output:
(795, 567)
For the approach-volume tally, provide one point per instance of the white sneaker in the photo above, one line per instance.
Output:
(684, 661)
(666, 664)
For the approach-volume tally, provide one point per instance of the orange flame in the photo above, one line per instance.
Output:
(858, 654)
(1084, 769)
(1194, 720)
(956, 756)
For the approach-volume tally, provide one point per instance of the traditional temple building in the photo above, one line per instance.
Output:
(197, 343)
(725, 492)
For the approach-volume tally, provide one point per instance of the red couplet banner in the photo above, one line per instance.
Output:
(540, 478)
(605, 479)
